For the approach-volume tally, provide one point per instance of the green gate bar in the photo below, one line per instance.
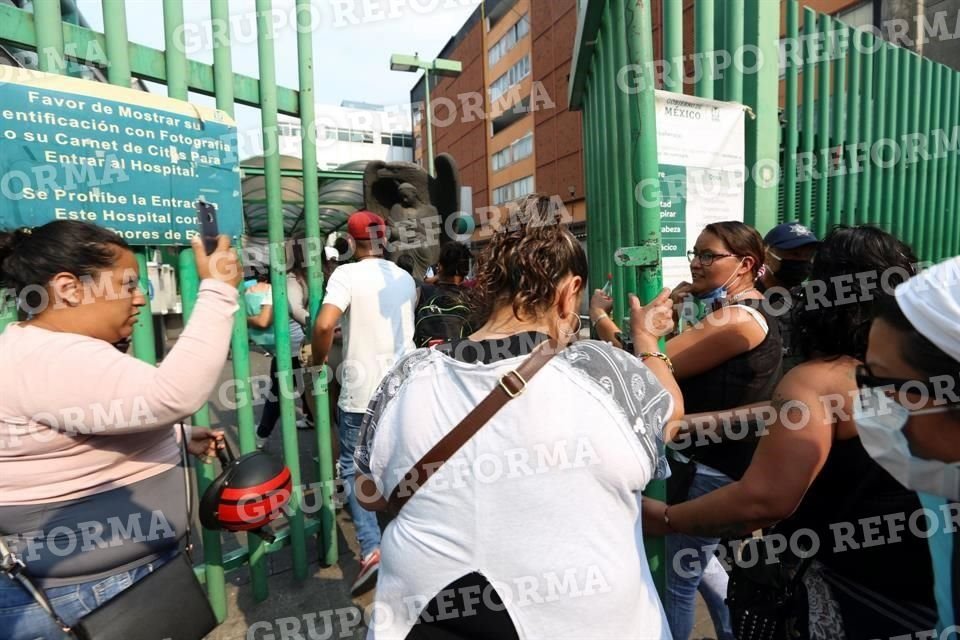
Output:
(313, 252)
(867, 99)
(628, 225)
(704, 42)
(900, 175)
(646, 171)
(614, 179)
(952, 235)
(824, 160)
(879, 178)
(937, 197)
(733, 43)
(49, 34)
(791, 124)
(887, 214)
(853, 134)
(839, 139)
(809, 104)
(239, 339)
(175, 59)
(278, 279)
(919, 243)
(672, 30)
(913, 169)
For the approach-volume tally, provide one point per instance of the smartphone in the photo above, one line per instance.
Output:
(209, 230)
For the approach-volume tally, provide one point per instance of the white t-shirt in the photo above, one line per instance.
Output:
(544, 501)
(378, 299)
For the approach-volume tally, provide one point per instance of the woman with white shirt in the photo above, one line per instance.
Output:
(532, 528)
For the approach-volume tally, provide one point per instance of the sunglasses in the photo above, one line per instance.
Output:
(867, 380)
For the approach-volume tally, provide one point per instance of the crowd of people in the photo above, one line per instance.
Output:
(800, 396)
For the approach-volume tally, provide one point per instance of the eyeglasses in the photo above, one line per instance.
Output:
(867, 380)
(707, 257)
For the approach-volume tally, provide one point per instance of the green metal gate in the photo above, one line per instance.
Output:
(800, 166)
(59, 44)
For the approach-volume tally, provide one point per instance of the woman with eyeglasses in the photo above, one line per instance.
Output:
(811, 476)
(909, 420)
(730, 357)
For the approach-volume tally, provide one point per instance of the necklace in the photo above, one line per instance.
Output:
(742, 294)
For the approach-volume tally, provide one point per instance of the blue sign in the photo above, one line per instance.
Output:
(128, 160)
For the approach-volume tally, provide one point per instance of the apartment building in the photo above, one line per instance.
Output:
(505, 118)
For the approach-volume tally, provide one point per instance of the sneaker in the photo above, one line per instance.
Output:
(367, 578)
(261, 443)
(304, 424)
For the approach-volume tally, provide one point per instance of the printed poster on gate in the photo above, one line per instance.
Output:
(701, 151)
(131, 161)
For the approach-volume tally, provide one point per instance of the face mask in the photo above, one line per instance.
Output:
(715, 295)
(792, 272)
(881, 433)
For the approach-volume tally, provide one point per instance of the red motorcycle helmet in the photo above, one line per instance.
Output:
(249, 494)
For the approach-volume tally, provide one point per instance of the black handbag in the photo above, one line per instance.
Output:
(168, 603)
(766, 598)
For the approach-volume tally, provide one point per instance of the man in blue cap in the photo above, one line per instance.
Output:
(787, 263)
(789, 258)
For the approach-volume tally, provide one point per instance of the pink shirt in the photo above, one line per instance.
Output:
(78, 417)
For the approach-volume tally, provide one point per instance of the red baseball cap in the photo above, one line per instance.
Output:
(360, 222)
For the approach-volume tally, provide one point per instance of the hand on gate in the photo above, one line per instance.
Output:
(204, 443)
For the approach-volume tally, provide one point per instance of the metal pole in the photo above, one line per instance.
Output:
(913, 169)
(890, 133)
(720, 13)
(792, 128)
(823, 128)
(850, 204)
(49, 28)
(704, 15)
(176, 66)
(952, 235)
(866, 128)
(646, 171)
(612, 157)
(809, 104)
(921, 230)
(903, 106)
(278, 279)
(837, 182)
(761, 93)
(877, 182)
(115, 34)
(314, 254)
(239, 339)
(931, 242)
(734, 46)
(426, 84)
(673, 44)
(624, 181)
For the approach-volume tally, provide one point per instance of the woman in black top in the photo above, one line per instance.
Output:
(729, 358)
(811, 470)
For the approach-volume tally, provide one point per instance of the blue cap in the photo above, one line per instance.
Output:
(790, 235)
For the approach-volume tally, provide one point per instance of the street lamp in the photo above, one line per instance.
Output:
(440, 67)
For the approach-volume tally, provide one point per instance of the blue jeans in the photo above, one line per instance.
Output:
(691, 566)
(21, 618)
(368, 531)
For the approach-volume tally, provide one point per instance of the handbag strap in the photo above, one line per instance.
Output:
(14, 568)
(511, 384)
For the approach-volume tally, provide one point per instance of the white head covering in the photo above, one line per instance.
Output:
(331, 253)
(931, 302)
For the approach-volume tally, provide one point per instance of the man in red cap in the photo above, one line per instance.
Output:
(377, 300)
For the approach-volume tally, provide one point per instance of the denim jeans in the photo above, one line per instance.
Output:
(691, 565)
(21, 618)
(368, 531)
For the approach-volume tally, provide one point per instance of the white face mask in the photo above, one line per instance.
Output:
(881, 433)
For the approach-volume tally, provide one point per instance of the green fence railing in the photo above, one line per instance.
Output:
(60, 44)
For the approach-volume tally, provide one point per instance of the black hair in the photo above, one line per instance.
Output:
(31, 257)
(455, 259)
(917, 350)
(833, 314)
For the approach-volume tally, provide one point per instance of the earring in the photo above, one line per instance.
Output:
(576, 331)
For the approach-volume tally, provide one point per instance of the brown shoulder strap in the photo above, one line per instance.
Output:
(511, 385)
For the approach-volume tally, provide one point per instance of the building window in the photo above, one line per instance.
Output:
(515, 74)
(513, 190)
(858, 16)
(509, 40)
(517, 151)
(289, 130)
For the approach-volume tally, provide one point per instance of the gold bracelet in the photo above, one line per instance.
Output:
(656, 354)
